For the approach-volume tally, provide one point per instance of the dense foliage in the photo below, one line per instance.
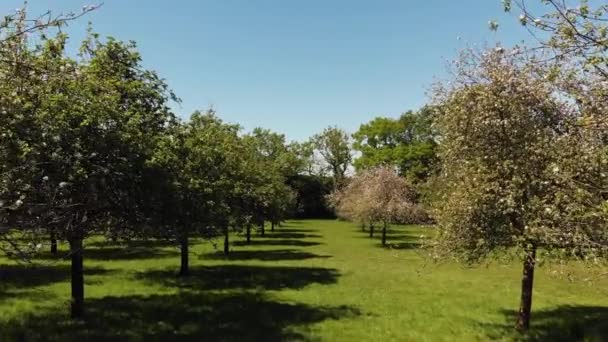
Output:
(407, 143)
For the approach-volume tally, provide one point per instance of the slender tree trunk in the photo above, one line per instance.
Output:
(184, 269)
(263, 229)
(248, 233)
(272, 226)
(362, 227)
(53, 242)
(77, 304)
(384, 235)
(527, 281)
(371, 230)
(226, 241)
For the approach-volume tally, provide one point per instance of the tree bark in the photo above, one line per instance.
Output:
(384, 235)
(77, 304)
(184, 268)
(371, 230)
(263, 229)
(272, 226)
(248, 233)
(53, 242)
(226, 241)
(527, 281)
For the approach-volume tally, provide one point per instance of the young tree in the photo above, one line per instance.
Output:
(378, 197)
(519, 172)
(334, 146)
(194, 167)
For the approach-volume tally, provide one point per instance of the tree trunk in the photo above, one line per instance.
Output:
(53, 242)
(184, 268)
(77, 305)
(248, 233)
(226, 241)
(362, 227)
(272, 226)
(527, 281)
(262, 226)
(384, 235)
(371, 230)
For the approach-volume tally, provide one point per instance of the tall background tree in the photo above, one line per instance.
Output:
(333, 144)
(406, 143)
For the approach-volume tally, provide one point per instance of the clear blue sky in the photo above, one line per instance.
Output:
(296, 66)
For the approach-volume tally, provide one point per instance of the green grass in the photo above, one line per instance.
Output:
(310, 280)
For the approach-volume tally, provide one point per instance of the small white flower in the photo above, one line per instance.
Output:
(538, 21)
(63, 185)
(38, 246)
(18, 203)
(555, 169)
(45, 178)
(548, 210)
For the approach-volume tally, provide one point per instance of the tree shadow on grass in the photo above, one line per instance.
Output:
(291, 235)
(296, 230)
(184, 317)
(22, 276)
(395, 239)
(22, 280)
(150, 243)
(268, 255)
(243, 277)
(277, 242)
(113, 253)
(564, 323)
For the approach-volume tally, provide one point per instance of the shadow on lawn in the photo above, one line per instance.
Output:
(22, 280)
(564, 323)
(277, 242)
(395, 239)
(290, 234)
(243, 277)
(113, 253)
(184, 317)
(265, 255)
(150, 243)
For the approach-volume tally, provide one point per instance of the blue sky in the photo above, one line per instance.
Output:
(296, 66)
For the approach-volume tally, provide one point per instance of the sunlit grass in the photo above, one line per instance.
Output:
(310, 280)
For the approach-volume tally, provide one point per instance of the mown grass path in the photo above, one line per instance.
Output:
(309, 280)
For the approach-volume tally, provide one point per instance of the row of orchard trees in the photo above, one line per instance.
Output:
(89, 145)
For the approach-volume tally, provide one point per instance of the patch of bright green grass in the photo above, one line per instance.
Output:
(309, 280)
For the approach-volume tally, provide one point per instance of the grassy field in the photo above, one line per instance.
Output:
(309, 280)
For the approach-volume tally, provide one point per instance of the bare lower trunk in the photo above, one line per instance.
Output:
(226, 241)
(371, 230)
(184, 268)
(262, 227)
(527, 281)
(248, 233)
(272, 226)
(384, 235)
(53, 243)
(77, 304)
